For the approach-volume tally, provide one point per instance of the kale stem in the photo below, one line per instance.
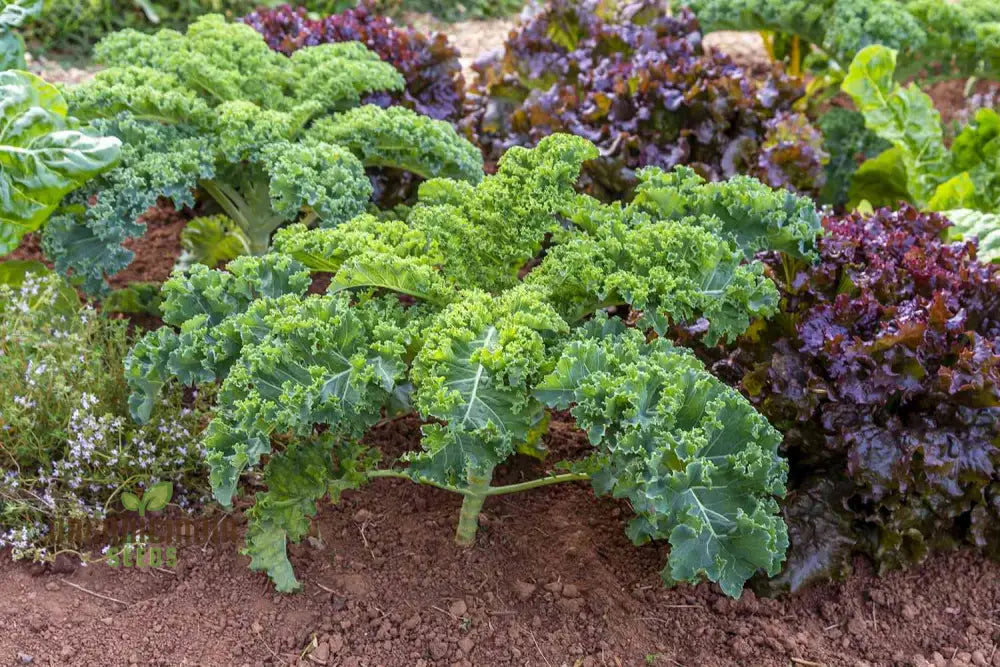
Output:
(230, 201)
(468, 518)
(476, 493)
(537, 483)
(399, 474)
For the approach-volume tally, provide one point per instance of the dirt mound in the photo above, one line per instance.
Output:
(552, 581)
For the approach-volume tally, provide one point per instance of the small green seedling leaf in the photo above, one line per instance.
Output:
(130, 501)
(157, 496)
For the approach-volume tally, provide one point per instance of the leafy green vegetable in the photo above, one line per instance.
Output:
(212, 240)
(919, 167)
(985, 227)
(507, 285)
(848, 143)
(215, 115)
(905, 117)
(697, 463)
(44, 154)
(883, 371)
(950, 39)
(14, 15)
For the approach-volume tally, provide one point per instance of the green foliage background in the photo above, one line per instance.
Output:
(76, 25)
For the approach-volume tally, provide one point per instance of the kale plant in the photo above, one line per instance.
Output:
(936, 38)
(429, 64)
(216, 116)
(439, 315)
(634, 80)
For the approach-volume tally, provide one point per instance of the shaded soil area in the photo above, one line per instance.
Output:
(552, 581)
(155, 253)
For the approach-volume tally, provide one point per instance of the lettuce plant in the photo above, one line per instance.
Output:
(44, 154)
(439, 315)
(215, 115)
(883, 371)
(634, 80)
(918, 167)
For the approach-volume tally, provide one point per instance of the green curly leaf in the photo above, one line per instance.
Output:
(699, 466)
(741, 209)
(402, 139)
(296, 478)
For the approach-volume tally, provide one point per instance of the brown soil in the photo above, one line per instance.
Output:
(155, 253)
(56, 72)
(953, 104)
(746, 48)
(473, 39)
(552, 581)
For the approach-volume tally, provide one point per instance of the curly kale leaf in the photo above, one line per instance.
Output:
(296, 478)
(156, 160)
(225, 62)
(469, 236)
(216, 114)
(144, 92)
(698, 464)
(933, 37)
(671, 270)
(429, 63)
(399, 138)
(478, 360)
(488, 233)
(753, 215)
(44, 154)
(213, 314)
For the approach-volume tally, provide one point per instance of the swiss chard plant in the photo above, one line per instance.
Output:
(486, 308)
(216, 117)
(883, 371)
(918, 166)
(634, 80)
(44, 154)
(14, 15)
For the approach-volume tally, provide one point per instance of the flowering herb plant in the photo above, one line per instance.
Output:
(67, 447)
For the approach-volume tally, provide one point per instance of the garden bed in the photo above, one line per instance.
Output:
(552, 581)
(576, 340)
